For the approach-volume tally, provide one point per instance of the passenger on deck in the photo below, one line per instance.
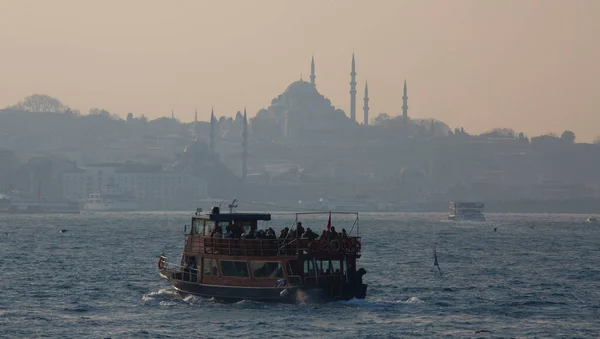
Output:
(271, 234)
(324, 236)
(344, 234)
(284, 233)
(334, 234)
(228, 233)
(299, 229)
(309, 234)
(237, 231)
(218, 232)
(190, 268)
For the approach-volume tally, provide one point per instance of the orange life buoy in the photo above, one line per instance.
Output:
(335, 245)
(324, 245)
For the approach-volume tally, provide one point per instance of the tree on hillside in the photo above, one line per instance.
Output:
(103, 113)
(460, 132)
(40, 103)
(523, 138)
(568, 137)
(72, 112)
(499, 133)
(381, 118)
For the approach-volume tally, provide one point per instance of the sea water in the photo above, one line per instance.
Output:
(533, 276)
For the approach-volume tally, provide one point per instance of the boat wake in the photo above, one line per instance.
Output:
(169, 297)
(162, 297)
(380, 303)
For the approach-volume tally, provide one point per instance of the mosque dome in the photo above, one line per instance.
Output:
(300, 87)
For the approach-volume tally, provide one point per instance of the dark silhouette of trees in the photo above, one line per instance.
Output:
(568, 137)
(101, 112)
(460, 132)
(41, 103)
(523, 138)
(500, 133)
(381, 118)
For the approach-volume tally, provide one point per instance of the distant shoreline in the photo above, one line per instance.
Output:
(570, 206)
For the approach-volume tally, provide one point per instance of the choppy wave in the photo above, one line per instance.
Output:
(535, 276)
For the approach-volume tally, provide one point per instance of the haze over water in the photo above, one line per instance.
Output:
(536, 276)
(527, 65)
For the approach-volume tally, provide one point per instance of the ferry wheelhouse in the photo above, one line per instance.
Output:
(466, 211)
(288, 268)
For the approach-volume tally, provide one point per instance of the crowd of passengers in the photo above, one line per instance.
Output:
(236, 231)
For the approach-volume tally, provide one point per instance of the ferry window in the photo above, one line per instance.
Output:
(210, 268)
(308, 267)
(325, 267)
(234, 268)
(208, 228)
(197, 227)
(335, 267)
(263, 269)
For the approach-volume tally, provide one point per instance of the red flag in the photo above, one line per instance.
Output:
(329, 222)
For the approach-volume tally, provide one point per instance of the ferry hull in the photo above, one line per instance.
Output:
(290, 295)
(466, 218)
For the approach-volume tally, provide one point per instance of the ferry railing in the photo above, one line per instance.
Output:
(178, 272)
(201, 244)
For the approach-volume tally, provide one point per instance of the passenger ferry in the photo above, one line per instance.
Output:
(472, 211)
(19, 205)
(251, 264)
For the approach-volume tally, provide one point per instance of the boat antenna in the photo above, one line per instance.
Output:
(435, 260)
(232, 206)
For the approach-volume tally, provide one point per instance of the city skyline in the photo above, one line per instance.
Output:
(527, 66)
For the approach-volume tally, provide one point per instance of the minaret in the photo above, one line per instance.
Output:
(213, 122)
(405, 103)
(366, 106)
(195, 125)
(312, 72)
(353, 91)
(244, 147)
(172, 114)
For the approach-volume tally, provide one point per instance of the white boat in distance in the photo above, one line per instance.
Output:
(472, 211)
(113, 199)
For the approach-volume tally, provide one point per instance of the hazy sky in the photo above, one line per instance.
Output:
(529, 65)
